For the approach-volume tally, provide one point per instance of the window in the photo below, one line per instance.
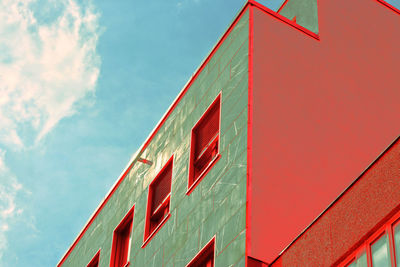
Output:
(204, 147)
(381, 249)
(380, 252)
(121, 241)
(360, 261)
(205, 258)
(158, 201)
(95, 261)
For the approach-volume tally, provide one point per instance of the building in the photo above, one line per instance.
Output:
(257, 162)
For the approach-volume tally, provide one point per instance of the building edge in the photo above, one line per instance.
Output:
(136, 156)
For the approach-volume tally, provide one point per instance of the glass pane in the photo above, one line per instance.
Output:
(353, 264)
(397, 243)
(380, 252)
(362, 260)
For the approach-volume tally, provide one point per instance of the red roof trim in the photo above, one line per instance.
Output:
(389, 6)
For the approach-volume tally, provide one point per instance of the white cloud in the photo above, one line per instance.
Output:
(9, 188)
(46, 67)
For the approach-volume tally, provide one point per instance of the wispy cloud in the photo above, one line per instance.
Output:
(9, 187)
(48, 66)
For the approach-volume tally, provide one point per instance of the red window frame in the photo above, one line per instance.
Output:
(158, 208)
(120, 250)
(204, 156)
(206, 256)
(94, 262)
(387, 228)
(392, 241)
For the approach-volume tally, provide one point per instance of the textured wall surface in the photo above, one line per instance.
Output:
(375, 195)
(217, 206)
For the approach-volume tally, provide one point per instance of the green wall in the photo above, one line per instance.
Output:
(217, 206)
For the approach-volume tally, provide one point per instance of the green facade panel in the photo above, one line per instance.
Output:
(305, 12)
(217, 206)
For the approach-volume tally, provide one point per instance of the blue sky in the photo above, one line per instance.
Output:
(82, 84)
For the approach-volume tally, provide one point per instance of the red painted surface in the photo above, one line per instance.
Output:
(353, 219)
(153, 133)
(121, 239)
(322, 111)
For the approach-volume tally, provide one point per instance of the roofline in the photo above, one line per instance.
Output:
(396, 140)
(284, 19)
(134, 158)
(392, 7)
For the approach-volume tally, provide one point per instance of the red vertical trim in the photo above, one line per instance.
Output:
(249, 133)
(391, 244)
(369, 255)
(393, 226)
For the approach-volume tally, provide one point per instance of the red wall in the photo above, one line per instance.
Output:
(352, 218)
(322, 112)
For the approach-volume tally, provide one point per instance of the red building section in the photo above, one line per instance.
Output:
(323, 108)
(323, 103)
(354, 221)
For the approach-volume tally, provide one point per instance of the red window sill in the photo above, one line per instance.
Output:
(203, 174)
(147, 240)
